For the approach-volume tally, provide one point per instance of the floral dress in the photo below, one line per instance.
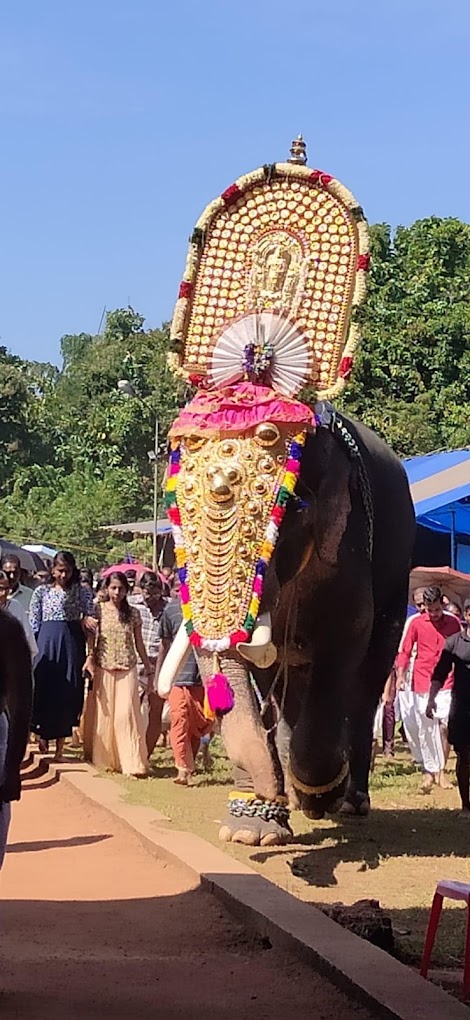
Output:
(56, 615)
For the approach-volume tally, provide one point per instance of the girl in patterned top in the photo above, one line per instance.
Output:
(61, 615)
(118, 728)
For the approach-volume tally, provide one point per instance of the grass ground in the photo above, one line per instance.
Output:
(396, 856)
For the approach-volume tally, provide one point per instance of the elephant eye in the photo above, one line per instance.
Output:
(193, 442)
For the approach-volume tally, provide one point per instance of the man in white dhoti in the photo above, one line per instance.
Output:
(405, 699)
(425, 637)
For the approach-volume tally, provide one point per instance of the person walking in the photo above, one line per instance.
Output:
(405, 699)
(118, 740)
(456, 655)
(61, 613)
(426, 635)
(150, 605)
(11, 565)
(15, 712)
(389, 718)
(86, 578)
(14, 608)
(186, 698)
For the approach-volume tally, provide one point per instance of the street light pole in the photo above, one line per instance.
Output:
(126, 387)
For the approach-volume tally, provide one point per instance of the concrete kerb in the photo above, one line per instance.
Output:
(365, 973)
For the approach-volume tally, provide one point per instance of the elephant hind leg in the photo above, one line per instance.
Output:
(371, 679)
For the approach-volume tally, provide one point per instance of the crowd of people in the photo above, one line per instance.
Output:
(428, 690)
(97, 645)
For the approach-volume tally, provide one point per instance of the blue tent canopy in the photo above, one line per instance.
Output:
(440, 487)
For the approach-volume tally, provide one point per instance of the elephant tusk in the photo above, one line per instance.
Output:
(260, 650)
(173, 661)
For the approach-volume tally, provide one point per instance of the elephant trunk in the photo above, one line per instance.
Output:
(244, 736)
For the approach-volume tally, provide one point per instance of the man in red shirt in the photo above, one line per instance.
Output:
(426, 635)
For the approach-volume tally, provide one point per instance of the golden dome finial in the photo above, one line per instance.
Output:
(298, 151)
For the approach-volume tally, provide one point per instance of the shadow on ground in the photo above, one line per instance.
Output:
(437, 832)
(54, 844)
(169, 956)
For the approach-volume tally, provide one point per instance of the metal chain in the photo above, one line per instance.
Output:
(339, 428)
(268, 810)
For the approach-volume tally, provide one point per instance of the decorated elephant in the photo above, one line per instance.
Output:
(293, 526)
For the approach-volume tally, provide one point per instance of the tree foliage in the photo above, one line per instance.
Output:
(412, 377)
(73, 449)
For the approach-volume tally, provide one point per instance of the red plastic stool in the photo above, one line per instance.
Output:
(453, 891)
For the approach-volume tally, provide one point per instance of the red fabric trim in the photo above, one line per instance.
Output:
(231, 195)
(185, 289)
(345, 367)
(363, 261)
(318, 177)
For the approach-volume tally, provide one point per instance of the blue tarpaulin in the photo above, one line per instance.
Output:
(440, 487)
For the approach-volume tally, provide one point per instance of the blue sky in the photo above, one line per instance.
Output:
(121, 119)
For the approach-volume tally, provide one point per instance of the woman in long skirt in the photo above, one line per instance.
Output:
(60, 614)
(119, 728)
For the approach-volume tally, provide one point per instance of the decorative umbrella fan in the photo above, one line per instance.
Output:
(265, 347)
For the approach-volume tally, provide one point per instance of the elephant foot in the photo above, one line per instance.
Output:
(356, 804)
(256, 822)
(254, 832)
(313, 814)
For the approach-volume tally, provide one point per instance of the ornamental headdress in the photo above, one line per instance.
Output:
(275, 268)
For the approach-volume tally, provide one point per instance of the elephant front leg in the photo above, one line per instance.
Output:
(252, 821)
(357, 800)
(257, 811)
(371, 680)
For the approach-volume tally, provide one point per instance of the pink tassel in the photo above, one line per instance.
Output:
(220, 696)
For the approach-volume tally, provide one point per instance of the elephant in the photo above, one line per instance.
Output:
(335, 591)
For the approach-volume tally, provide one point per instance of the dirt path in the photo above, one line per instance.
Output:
(92, 925)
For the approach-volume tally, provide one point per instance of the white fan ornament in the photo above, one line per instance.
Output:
(289, 361)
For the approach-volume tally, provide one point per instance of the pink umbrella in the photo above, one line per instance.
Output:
(124, 568)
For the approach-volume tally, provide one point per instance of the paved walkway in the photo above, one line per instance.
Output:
(92, 925)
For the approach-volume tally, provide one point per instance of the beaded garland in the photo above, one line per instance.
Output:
(285, 491)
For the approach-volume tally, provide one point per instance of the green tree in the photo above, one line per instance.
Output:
(84, 459)
(412, 379)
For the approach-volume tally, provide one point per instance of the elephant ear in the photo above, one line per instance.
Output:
(326, 483)
(295, 547)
